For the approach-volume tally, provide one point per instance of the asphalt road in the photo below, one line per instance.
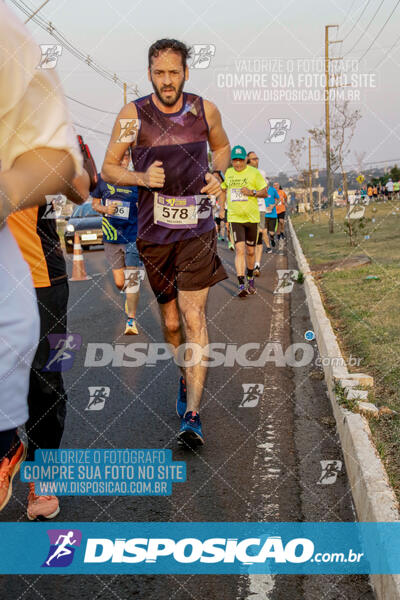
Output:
(260, 463)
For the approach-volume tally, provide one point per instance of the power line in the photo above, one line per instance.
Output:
(88, 60)
(348, 12)
(109, 112)
(392, 161)
(366, 29)
(380, 31)
(387, 53)
(363, 11)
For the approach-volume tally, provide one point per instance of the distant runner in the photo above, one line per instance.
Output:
(244, 185)
(271, 216)
(118, 204)
(252, 160)
(389, 188)
(281, 211)
(396, 189)
(177, 240)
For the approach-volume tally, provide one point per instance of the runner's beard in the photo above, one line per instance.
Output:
(173, 99)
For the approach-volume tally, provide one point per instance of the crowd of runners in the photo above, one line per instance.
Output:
(163, 209)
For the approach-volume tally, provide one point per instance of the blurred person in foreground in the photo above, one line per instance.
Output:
(39, 156)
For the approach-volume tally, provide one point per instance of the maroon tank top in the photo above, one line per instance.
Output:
(179, 140)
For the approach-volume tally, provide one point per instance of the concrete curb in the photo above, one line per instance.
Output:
(373, 496)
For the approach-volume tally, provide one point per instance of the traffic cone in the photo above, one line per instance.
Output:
(78, 265)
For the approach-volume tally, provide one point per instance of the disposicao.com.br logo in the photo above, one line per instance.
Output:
(192, 550)
(62, 547)
(266, 551)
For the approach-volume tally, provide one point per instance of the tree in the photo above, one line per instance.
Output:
(296, 152)
(395, 173)
(297, 148)
(343, 124)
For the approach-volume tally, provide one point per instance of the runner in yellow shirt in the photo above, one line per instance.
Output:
(244, 185)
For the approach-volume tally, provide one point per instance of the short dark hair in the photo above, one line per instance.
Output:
(170, 44)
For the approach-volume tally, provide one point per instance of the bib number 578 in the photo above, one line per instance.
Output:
(175, 213)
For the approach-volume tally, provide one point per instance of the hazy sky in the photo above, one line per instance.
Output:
(273, 43)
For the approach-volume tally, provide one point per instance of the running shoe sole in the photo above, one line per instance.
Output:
(15, 471)
(130, 332)
(42, 517)
(190, 439)
(242, 294)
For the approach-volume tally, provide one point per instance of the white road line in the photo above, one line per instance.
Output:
(261, 586)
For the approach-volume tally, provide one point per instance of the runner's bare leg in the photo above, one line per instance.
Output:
(259, 249)
(250, 256)
(240, 260)
(172, 326)
(192, 307)
(132, 299)
(266, 238)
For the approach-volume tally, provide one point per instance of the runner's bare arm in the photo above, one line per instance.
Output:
(80, 191)
(123, 136)
(222, 202)
(103, 210)
(34, 175)
(217, 139)
(260, 194)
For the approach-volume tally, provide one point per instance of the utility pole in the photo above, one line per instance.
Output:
(125, 98)
(310, 181)
(327, 131)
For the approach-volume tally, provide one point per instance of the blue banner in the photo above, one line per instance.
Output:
(208, 548)
(111, 472)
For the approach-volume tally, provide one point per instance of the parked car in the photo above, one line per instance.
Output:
(87, 222)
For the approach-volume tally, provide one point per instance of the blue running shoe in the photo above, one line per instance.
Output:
(181, 399)
(190, 432)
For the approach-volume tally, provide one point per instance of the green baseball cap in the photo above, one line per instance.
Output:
(238, 152)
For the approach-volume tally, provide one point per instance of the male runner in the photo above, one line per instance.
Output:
(38, 156)
(118, 204)
(389, 188)
(281, 211)
(271, 216)
(176, 234)
(244, 185)
(396, 189)
(252, 160)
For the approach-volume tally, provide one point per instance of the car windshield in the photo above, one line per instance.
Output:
(85, 210)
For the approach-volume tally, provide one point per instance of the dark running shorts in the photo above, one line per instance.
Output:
(245, 232)
(281, 215)
(189, 265)
(270, 224)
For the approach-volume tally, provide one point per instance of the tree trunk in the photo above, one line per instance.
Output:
(345, 187)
